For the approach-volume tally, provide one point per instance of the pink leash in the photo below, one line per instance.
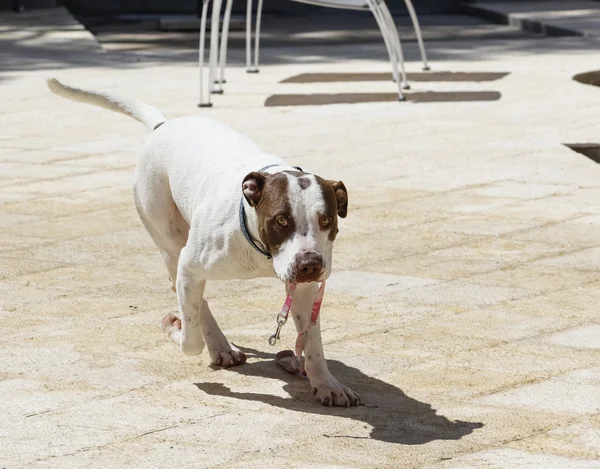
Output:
(297, 364)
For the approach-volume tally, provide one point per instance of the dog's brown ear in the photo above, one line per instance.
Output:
(252, 187)
(341, 196)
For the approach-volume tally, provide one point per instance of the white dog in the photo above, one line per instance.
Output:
(219, 208)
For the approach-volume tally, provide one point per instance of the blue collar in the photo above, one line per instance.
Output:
(243, 217)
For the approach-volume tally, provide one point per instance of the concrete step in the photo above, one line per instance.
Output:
(550, 18)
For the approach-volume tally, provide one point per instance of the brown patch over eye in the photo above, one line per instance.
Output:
(274, 211)
(331, 209)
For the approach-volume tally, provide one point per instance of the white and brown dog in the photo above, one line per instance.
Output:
(196, 179)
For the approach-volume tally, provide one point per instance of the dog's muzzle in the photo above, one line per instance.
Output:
(308, 267)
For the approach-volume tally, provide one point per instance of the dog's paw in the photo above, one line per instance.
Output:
(191, 345)
(228, 358)
(333, 393)
(170, 322)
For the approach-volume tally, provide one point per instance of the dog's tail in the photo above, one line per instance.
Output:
(147, 115)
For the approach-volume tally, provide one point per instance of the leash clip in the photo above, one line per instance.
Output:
(283, 315)
(275, 337)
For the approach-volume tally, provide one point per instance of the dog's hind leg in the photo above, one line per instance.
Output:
(186, 331)
(164, 222)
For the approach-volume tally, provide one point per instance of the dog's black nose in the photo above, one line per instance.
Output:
(310, 264)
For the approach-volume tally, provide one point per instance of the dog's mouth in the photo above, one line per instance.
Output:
(296, 279)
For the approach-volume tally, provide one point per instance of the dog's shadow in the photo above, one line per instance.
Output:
(393, 416)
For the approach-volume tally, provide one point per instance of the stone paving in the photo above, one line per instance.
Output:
(464, 307)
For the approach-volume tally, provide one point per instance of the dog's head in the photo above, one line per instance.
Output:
(297, 221)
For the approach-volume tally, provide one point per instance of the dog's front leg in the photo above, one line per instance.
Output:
(186, 331)
(328, 389)
(196, 325)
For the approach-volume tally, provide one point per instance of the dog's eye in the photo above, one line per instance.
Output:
(325, 221)
(282, 221)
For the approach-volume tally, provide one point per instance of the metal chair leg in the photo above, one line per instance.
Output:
(249, 68)
(224, 38)
(214, 46)
(201, 45)
(389, 33)
(257, 33)
(390, 49)
(417, 26)
(394, 39)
